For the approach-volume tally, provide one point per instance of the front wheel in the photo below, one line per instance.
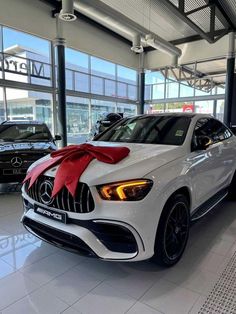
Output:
(173, 231)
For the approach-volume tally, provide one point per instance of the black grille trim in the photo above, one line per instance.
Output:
(116, 238)
(83, 203)
(58, 238)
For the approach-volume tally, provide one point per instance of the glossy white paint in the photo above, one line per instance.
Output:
(203, 173)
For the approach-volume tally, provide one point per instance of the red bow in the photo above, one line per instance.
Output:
(73, 160)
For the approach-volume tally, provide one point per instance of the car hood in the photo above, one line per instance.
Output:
(25, 146)
(142, 159)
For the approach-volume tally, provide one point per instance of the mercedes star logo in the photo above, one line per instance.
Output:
(16, 162)
(45, 192)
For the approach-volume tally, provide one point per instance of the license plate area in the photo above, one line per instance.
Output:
(50, 213)
(13, 172)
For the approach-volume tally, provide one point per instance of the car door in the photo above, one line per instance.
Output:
(210, 167)
(227, 152)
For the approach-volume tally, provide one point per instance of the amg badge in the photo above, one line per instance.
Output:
(51, 214)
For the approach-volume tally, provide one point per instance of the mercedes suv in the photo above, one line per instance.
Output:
(21, 144)
(179, 166)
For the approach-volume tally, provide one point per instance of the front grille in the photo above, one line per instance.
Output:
(82, 203)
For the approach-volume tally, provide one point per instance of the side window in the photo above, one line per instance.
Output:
(219, 132)
(212, 128)
(199, 130)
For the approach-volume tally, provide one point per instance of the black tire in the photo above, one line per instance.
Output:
(232, 189)
(172, 232)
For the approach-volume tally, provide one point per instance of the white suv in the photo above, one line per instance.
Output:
(179, 167)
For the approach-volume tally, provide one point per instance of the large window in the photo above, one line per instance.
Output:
(186, 90)
(100, 108)
(2, 111)
(77, 113)
(27, 60)
(126, 75)
(204, 107)
(76, 60)
(126, 109)
(220, 89)
(13, 38)
(170, 107)
(155, 85)
(77, 69)
(29, 105)
(93, 75)
(103, 68)
(127, 86)
(170, 90)
(220, 105)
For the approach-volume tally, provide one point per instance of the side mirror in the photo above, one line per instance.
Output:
(57, 137)
(203, 142)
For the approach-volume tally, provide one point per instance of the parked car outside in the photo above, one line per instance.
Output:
(21, 144)
(179, 167)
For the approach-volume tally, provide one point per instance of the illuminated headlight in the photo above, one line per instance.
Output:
(134, 190)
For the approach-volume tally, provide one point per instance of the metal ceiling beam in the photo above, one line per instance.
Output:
(180, 12)
(225, 15)
(189, 39)
(192, 77)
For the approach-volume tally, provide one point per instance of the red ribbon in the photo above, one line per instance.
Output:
(73, 160)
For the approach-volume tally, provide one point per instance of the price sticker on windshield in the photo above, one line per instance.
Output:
(179, 133)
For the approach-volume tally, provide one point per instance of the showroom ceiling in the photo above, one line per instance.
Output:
(168, 20)
(175, 21)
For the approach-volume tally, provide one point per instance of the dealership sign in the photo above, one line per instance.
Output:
(16, 65)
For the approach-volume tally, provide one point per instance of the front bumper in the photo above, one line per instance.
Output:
(101, 238)
(120, 231)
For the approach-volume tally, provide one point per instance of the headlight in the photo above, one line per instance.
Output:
(134, 190)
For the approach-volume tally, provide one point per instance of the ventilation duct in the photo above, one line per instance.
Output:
(161, 44)
(67, 12)
(125, 27)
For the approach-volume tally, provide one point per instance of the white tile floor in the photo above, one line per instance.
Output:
(38, 278)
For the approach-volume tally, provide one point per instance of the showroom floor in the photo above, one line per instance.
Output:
(39, 278)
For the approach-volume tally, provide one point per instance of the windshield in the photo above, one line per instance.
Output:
(24, 132)
(169, 130)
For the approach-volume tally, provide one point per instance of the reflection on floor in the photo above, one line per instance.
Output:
(36, 277)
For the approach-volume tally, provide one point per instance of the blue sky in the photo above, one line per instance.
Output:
(12, 37)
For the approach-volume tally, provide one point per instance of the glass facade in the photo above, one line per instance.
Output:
(2, 109)
(29, 105)
(165, 93)
(94, 86)
(220, 109)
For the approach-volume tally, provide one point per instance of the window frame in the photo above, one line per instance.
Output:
(214, 141)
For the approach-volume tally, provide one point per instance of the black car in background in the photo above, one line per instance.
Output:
(21, 144)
